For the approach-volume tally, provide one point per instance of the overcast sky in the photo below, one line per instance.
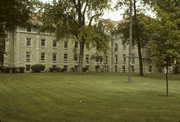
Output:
(116, 15)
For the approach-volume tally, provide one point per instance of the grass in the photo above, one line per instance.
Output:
(90, 97)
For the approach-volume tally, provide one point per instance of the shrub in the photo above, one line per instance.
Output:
(84, 69)
(1, 68)
(37, 68)
(54, 69)
(72, 69)
(14, 69)
(21, 69)
(64, 70)
(6, 69)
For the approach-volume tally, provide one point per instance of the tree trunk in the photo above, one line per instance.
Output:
(2, 46)
(130, 43)
(141, 73)
(138, 41)
(81, 57)
(167, 84)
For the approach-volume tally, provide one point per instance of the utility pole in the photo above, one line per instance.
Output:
(130, 42)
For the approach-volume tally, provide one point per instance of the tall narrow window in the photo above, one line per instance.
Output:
(28, 56)
(75, 57)
(42, 42)
(65, 44)
(65, 68)
(116, 47)
(54, 43)
(124, 68)
(54, 57)
(42, 56)
(106, 59)
(76, 45)
(133, 58)
(65, 57)
(115, 68)
(28, 42)
(87, 58)
(150, 69)
(133, 44)
(116, 58)
(124, 58)
(132, 68)
(28, 67)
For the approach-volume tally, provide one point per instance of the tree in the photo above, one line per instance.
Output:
(74, 18)
(165, 34)
(13, 12)
(138, 38)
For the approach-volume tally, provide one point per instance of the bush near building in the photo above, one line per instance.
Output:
(6, 69)
(21, 69)
(37, 68)
(54, 69)
(14, 69)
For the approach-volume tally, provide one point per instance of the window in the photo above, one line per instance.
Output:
(124, 46)
(42, 42)
(106, 59)
(106, 68)
(132, 68)
(54, 43)
(65, 67)
(54, 57)
(65, 44)
(87, 58)
(115, 67)
(54, 66)
(28, 42)
(116, 47)
(87, 66)
(97, 68)
(133, 58)
(150, 69)
(76, 68)
(133, 44)
(28, 56)
(29, 29)
(28, 67)
(76, 45)
(116, 58)
(65, 57)
(124, 58)
(124, 68)
(101, 59)
(75, 57)
(42, 56)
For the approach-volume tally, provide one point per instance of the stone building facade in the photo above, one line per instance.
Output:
(27, 46)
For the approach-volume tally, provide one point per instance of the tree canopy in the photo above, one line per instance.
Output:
(13, 12)
(78, 19)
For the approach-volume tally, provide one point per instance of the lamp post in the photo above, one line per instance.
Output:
(130, 43)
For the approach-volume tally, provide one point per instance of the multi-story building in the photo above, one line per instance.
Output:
(27, 46)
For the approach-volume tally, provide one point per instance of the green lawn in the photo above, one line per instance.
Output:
(90, 97)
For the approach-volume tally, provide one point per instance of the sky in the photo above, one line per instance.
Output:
(113, 15)
(116, 14)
